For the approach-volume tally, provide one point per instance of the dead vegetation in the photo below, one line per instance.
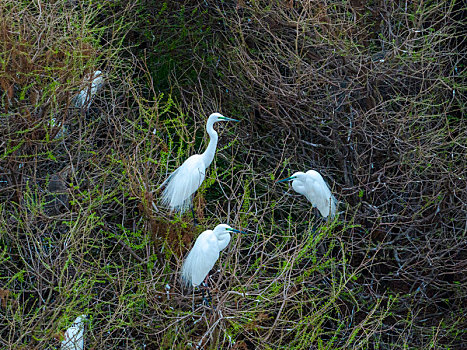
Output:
(369, 93)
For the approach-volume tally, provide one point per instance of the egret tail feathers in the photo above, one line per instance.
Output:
(182, 184)
(333, 207)
(168, 179)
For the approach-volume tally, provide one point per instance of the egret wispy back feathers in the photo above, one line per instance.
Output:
(181, 185)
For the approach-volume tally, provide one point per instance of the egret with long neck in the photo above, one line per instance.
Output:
(181, 185)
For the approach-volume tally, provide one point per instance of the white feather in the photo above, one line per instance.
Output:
(74, 336)
(320, 195)
(92, 85)
(204, 254)
(183, 183)
(312, 185)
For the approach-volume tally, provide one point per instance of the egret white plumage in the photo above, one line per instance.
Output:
(183, 182)
(74, 336)
(205, 253)
(93, 83)
(312, 185)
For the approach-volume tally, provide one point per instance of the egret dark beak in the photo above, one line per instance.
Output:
(236, 231)
(230, 119)
(286, 179)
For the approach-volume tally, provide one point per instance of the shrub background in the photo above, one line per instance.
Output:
(369, 93)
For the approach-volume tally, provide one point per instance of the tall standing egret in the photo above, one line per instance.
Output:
(312, 185)
(204, 254)
(183, 182)
(74, 336)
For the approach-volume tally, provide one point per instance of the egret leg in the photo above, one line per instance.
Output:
(314, 232)
(316, 212)
(205, 285)
(193, 300)
(209, 296)
(195, 222)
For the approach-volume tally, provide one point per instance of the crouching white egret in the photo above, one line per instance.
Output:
(183, 182)
(93, 84)
(312, 185)
(74, 336)
(204, 254)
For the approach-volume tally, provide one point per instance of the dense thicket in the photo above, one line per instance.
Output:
(369, 93)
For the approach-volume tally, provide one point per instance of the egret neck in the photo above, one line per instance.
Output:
(223, 240)
(208, 155)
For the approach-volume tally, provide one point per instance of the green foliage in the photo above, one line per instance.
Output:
(371, 97)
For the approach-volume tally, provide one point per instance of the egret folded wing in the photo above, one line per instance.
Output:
(201, 259)
(183, 183)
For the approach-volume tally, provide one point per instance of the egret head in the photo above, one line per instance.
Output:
(217, 117)
(300, 176)
(222, 233)
(79, 321)
(223, 229)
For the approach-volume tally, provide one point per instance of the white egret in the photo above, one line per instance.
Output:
(74, 336)
(93, 83)
(312, 185)
(183, 182)
(204, 255)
